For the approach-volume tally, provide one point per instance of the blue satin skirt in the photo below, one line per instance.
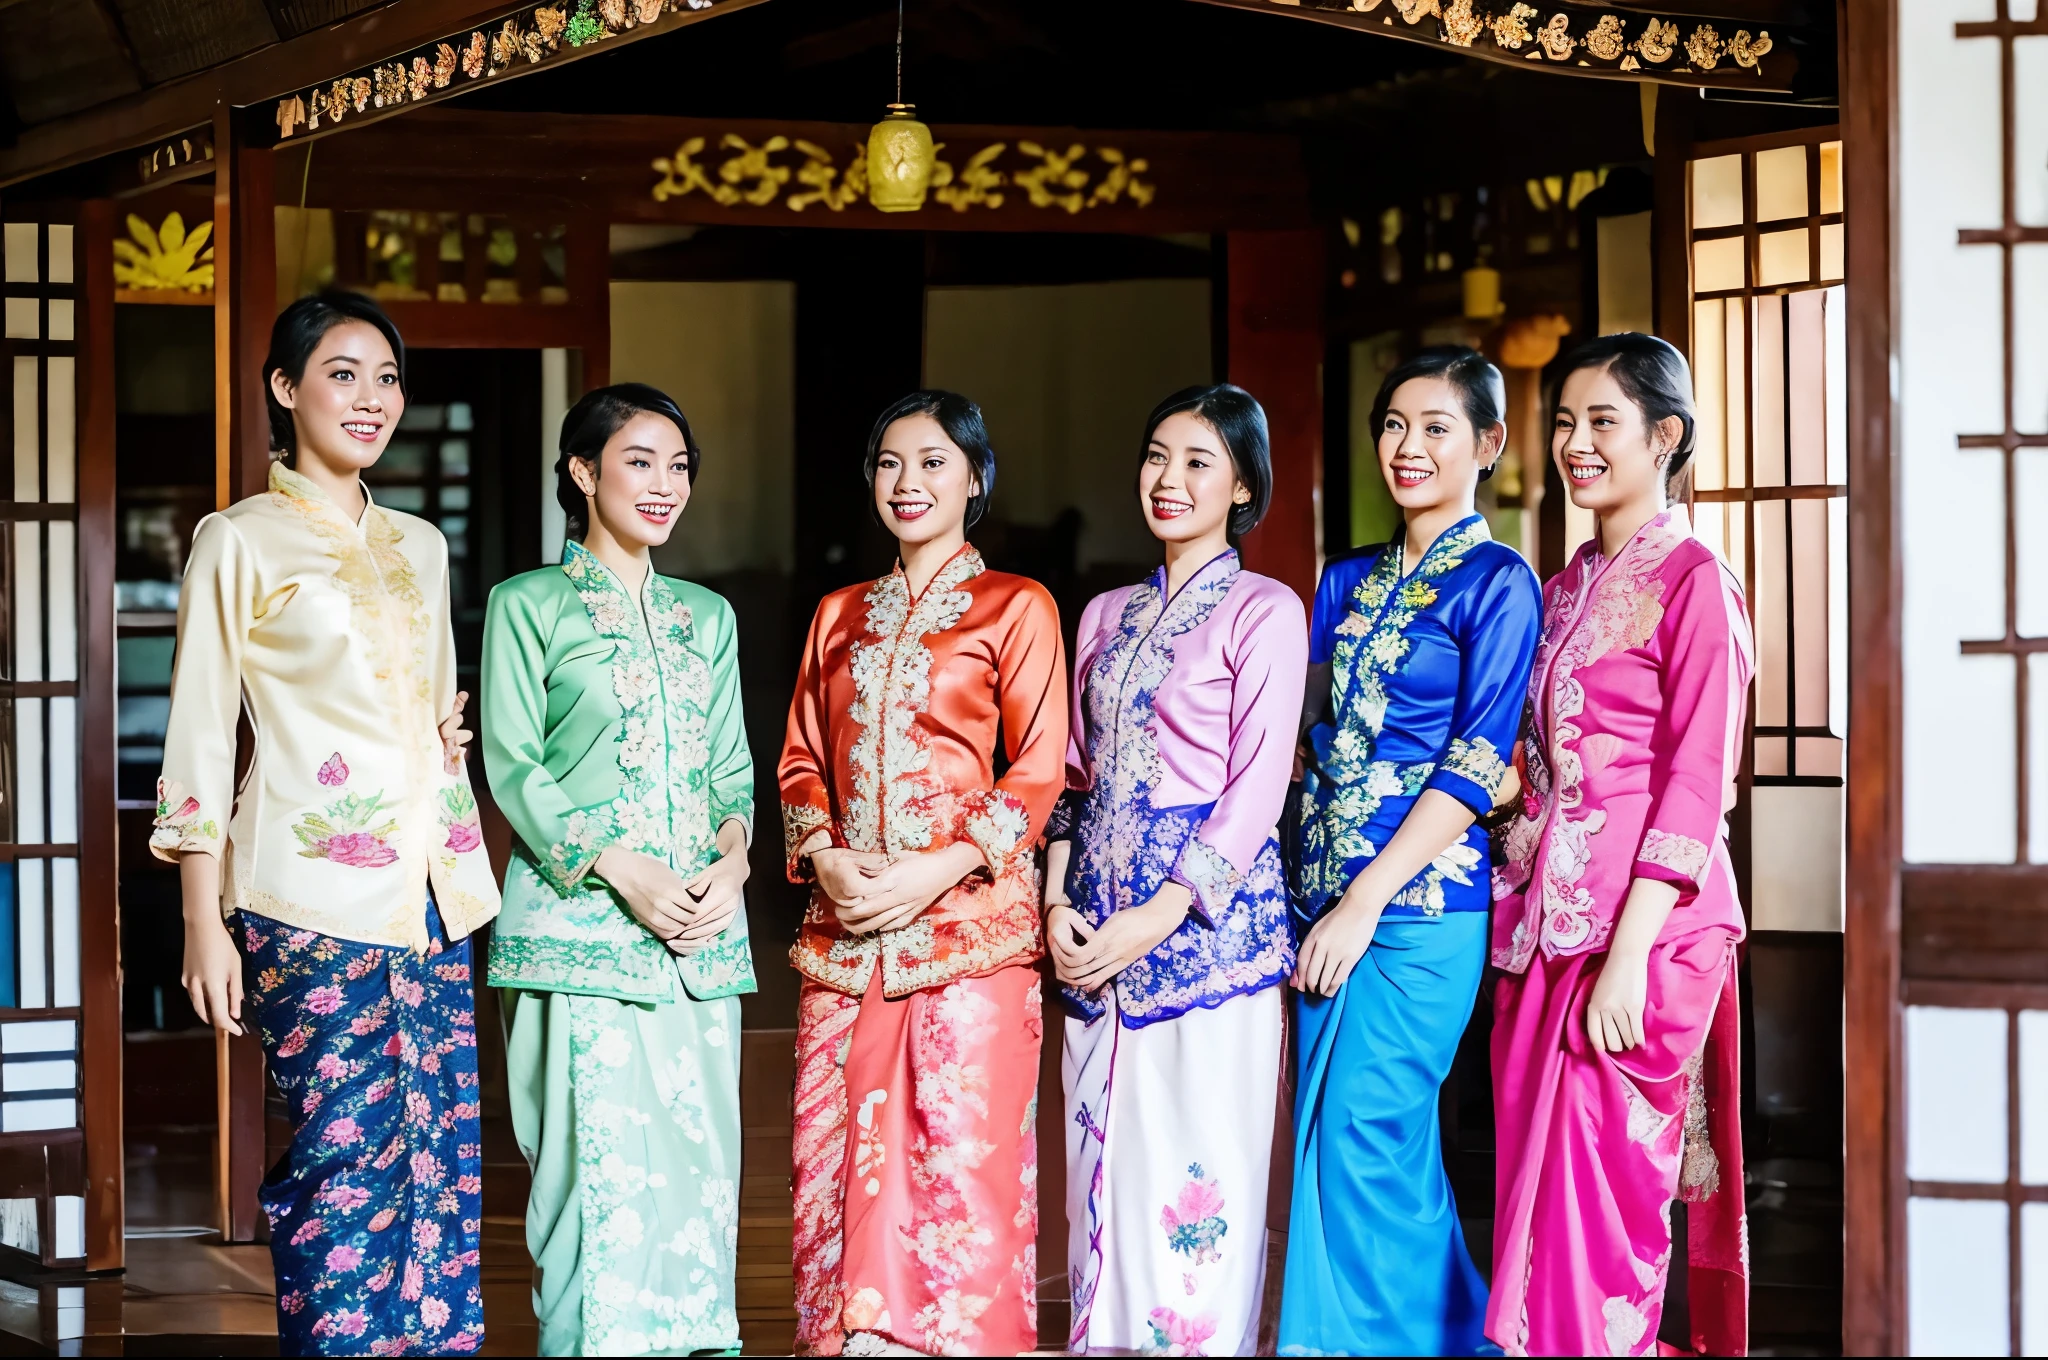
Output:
(1376, 1261)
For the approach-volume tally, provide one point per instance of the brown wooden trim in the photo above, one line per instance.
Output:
(48, 689)
(1775, 224)
(1671, 223)
(37, 851)
(37, 510)
(1975, 922)
(488, 325)
(1817, 491)
(2002, 1191)
(252, 299)
(1767, 141)
(13, 1014)
(1276, 353)
(1975, 995)
(1874, 1177)
(100, 1048)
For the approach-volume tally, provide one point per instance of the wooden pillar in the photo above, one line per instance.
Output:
(99, 927)
(244, 305)
(1276, 354)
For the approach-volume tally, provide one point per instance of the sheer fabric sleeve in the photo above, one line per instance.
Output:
(1031, 695)
(1497, 649)
(806, 758)
(1707, 656)
(216, 609)
(1268, 659)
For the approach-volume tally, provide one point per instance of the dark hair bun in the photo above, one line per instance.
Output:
(295, 334)
(1481, 389)
(590, 425)
(1653, 375)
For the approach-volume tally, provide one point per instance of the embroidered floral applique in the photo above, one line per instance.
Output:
(1670, 850)
(1477, 761)
(349, 831)
(333, 773)
(1194, 1221)
(179, 819)
(1173, 1334)
(459, 819)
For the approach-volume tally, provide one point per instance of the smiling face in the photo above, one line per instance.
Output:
(923, 481)
(643, 484)
(1430, 452)
(347, 403)
(1607, 453)
(1188, 483)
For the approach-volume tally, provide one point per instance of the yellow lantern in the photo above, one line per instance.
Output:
(900, 160)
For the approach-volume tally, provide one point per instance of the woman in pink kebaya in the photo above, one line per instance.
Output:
(1615, 916)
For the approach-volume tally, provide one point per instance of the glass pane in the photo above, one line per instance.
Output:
(423, 417)
(24, 319)
(64, 930)
(1717, 265)
(63, 599)
(1767, 606)
(63, 319)
(1770, 757)
(31, 949)
(62, 435)
(1710, 378)
(63, 738)
(403, 460)
(1836, 363)
(30, 824)
(1830, 177)
(1781, 183)
(454, 458)
(23, 244)
(1709, 522)
(455, 498)
(1810, 614)
(1831, 263)
(1768, 461)
(28, 465)
(460, 417)
(28, 601)
(1820, 756)
(1806, 384)
(1782, 257)
(1735, 410)
(411, 499)
(1717, 192)
(62, 252)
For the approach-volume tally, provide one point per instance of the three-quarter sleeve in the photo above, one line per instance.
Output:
(1497, 647)
(216, 609)
(1031, 697)
(732, 762)
(806, 747)
(1080, 774)
(1707, 659)
(565, 839)
(1268, 660)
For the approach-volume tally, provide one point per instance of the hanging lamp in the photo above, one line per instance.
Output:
(900, 154)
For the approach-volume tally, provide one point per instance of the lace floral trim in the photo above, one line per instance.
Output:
(1372, 646)
(892, 686)
(1699, 1173)
(1477, 761)
(999, 826)
(1547, 847)
(1669, 850)
(1213, 879)
(799, 822)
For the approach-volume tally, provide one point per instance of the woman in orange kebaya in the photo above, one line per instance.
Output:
(918, 1025)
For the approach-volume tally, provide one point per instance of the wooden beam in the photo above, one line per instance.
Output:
(1276, 354)
(460, 160)
(1974, 922)
(1874, 1175)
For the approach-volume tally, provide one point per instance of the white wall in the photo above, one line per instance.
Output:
(726, 353)
(1065, 377)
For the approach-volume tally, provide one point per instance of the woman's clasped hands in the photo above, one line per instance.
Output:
(685, 914)
(872, 892)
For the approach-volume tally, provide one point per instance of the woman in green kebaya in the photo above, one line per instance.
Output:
(614, 745)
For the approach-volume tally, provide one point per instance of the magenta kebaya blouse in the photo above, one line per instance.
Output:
(1632, 745)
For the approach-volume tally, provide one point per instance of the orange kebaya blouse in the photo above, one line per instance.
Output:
(892, 736)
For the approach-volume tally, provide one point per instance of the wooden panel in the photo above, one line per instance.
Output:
(600, 164)
(1874, 1185)
(1975, 922)
(100, 1050)
(1276, 354)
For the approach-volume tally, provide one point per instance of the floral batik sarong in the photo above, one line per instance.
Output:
(916, 1160)
(376, 1208)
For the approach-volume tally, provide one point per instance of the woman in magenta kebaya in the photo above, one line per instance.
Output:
(1615, 1060)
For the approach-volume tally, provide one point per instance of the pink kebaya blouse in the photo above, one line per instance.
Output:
(1631, 744)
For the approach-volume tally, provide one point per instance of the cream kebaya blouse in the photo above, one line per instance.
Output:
(334, 635)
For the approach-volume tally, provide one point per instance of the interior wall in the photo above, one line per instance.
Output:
(1065, 376)
(725, 352)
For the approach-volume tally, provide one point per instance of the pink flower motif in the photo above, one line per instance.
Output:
(461, 1343)
(427, 1169)
(335, 771)
(377, 1090)
(394, 1046)
(308, 1230)
(430, 1062)
(292, 1302)
(1199, 1199)
(346, 1198)
(464, 837)
(452, 972)
(382, 1219)
(331, 1067)
(418, 1108)
(426, 1234)
(323, 1000)
(408, 991)
(415, 1280)
(1176, 1335)
(358, 850)
(353, 1322)
(343, 1132)
(388, 1345)
(469, 1185)
(344, 1258)
(294, 1043)
(381, 1281)
(434, 1313)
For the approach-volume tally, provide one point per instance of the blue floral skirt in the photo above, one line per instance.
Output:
(376, 1208)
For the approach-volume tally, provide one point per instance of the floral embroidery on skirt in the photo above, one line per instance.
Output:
(376, 1208)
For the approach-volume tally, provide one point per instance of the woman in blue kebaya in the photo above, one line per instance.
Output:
(1419, 654)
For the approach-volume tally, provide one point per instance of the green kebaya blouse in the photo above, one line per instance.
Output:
(610, 720)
